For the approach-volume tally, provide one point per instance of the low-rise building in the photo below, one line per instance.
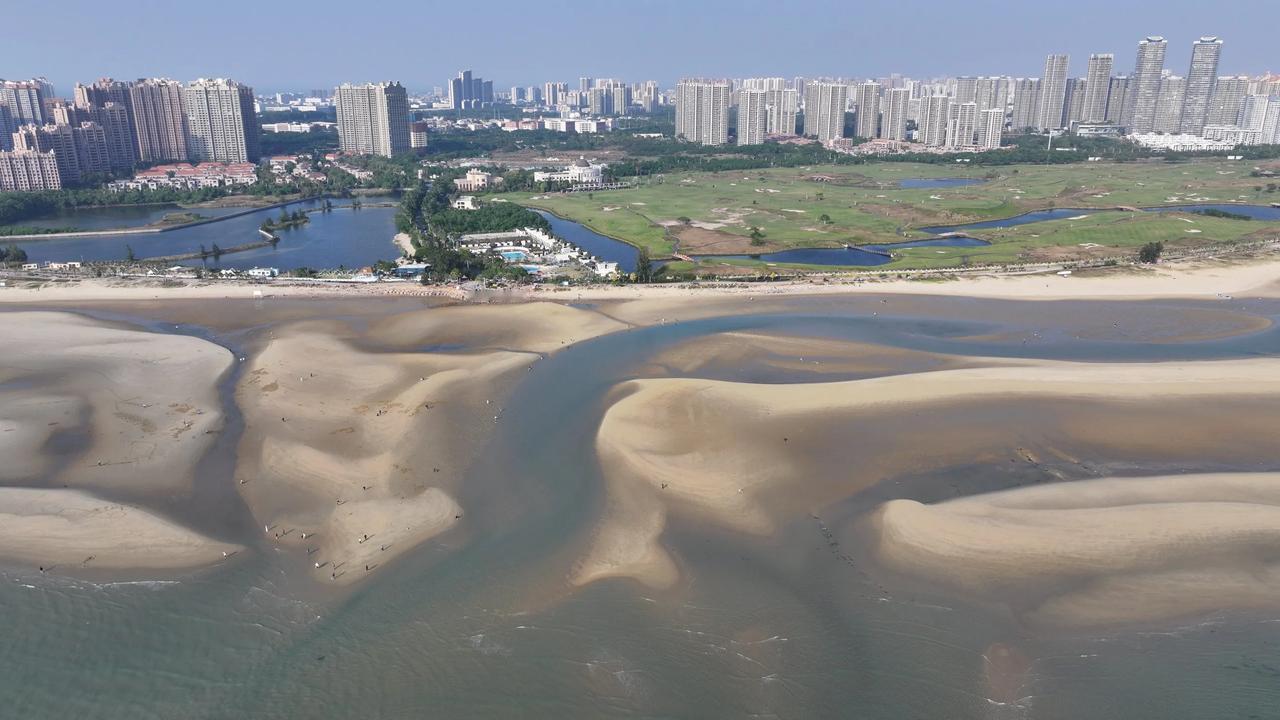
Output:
(579, 171)
(190, 177)
(1179, 143)
(465, 202)
(476, 180)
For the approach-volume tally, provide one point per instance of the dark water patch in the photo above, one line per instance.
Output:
(1256, 212)
(957, 241)
(118, 217)
(920, 183)
(342, 237)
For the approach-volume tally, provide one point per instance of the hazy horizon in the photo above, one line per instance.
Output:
(299, 47)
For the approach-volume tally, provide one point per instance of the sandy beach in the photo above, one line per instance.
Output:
(65, 531)
(742, 455)
(146, 403)
(1098, 553)
(399, 428)
(1204, 279)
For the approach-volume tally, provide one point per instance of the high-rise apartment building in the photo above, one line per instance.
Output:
(893, 125)
(990, 92)
(221, 123)
(966, 90)
(27, 170)
(1173, 90)
(784, 105)
(600, 101)
(467, 91)
(1026, 103)
(1053, 93)
(824, 107)
(702, 111)
(1144, 86)
(418, 134)
(25, 100)
(1097, 88)
(79, 150)
(7, 128)
(771, 83)
(753, 116)
(868, 100)
(1116, 99)
(553, 93)
(373, 119)
(1073, 106)
(1227, 100)
(109, 103)
(962, 124)
(159, 120)
(990, 128)
(934, 110)
(1201, 78)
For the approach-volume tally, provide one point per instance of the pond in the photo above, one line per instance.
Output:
(1257, 212)
(925, 183)
(343, 237)
(851, 256)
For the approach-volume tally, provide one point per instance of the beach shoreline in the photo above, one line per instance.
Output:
(1200, 279)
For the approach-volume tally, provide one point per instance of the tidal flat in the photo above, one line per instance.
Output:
(879, 506)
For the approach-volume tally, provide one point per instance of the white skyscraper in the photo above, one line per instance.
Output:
(933, 120)
(221, 123)
(1116, 99)
(1144, 86)
(824, 110)
(753, 117)
(1053, 93)
(1026, 103)
(1173, 90)
(962, 124)
(893, 125)
(1227, 100)
(373, 119)
(702, 111)
(868, 99)
(783, 106)
(1200, 81)
(990, 127)
(1097, 88)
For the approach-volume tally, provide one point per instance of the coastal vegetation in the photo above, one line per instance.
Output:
(286, 220)
(426, 216)
(12, 253)
(1150, 253)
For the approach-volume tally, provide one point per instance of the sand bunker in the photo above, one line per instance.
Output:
(147, 403)
(66, 530)
(1098, 552)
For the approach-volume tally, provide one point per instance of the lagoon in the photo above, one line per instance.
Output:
(343, 237)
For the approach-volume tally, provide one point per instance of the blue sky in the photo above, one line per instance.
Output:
(283, 44)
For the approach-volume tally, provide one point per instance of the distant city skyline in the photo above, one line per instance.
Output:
(296, 47)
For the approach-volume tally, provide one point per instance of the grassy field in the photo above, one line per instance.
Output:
(714, 213)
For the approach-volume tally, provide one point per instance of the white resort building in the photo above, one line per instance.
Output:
(580, 171)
